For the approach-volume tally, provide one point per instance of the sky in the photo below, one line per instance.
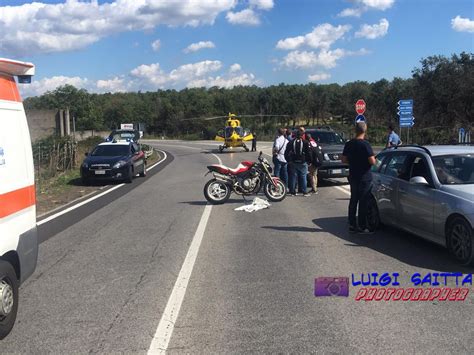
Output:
(131, 45)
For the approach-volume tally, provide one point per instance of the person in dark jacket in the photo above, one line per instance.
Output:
(254, 142)
(298, 155)
(359, 155)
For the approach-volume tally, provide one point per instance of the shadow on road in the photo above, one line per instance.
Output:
(230, 201)
(328, 183)
(293, 229)
(78, 182)
(397, 244)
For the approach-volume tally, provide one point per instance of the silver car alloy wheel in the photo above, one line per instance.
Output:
(6, 298)
(460, 241)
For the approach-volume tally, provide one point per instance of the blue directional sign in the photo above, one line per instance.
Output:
(405, 113)
(405, 102)
(360, 118)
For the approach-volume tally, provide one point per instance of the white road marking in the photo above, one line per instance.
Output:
(72, 208)
(340, 188)
(219, 159)
(165, 328)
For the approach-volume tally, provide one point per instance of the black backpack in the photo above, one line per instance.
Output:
(297, 151)
(317, 156)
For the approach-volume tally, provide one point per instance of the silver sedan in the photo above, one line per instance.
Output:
(427, 191)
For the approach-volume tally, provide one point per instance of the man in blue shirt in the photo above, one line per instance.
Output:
(393, 139)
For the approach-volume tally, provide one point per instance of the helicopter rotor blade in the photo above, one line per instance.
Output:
(263, 116)
(203, 118)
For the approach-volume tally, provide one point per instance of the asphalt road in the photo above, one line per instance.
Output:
(107, 275)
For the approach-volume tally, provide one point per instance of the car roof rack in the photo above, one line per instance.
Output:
(427, 151)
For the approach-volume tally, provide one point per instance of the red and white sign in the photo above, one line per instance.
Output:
(360, 106)
(126, 126)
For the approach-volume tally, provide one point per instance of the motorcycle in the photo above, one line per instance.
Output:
(246, 179)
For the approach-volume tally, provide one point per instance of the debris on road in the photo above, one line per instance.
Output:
(257, 204)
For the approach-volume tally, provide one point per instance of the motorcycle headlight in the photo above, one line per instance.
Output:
(119, 164)
(326, 156)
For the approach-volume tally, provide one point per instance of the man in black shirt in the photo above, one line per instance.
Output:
(359, 155)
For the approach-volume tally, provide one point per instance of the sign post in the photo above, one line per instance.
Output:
(360, 107)
(405, 114)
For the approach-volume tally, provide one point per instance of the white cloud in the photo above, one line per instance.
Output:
(199, 45)
(225, 81)
(362, 6)
(112, 85)
(374, 31)
(325, 58)
(378, 4)
(41, 28)
(39, 87)
(461, 24)
(245, 17)
(262, 4)
(151, 77)
(319, 77)
(156, 45)
(322, 36)
(235, 68)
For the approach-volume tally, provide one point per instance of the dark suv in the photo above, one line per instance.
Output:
(332, 145)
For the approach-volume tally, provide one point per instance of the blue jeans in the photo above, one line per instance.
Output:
(298, 171)
(280, 170)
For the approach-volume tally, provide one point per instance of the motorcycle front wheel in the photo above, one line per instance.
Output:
(275, 194)
(216, 192)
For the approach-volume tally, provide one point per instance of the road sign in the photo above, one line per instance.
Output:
(405, 113)
(360, 118)
(408, 102)
(360, 107)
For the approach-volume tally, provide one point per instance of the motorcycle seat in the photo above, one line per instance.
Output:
(226, 170)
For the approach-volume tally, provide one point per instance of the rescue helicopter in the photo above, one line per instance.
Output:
(234, 135)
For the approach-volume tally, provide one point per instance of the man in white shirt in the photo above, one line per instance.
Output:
(279, 161)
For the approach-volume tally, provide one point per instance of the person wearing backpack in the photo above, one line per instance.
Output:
(279, 161)
(316, 162)
(298, 155)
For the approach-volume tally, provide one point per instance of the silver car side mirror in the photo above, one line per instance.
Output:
(418, 180)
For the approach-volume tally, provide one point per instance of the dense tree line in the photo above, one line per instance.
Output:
(442, 89)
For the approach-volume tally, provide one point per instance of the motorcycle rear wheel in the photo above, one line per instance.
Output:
(216, 192)
(275, 194)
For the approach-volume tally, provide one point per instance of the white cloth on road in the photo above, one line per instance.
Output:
(257, 204)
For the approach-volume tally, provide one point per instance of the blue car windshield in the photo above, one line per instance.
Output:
(110, 151)
(454, 169)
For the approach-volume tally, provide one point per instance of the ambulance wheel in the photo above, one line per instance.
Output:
(8, 298)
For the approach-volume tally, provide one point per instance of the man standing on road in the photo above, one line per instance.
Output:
(359, 155)
(316, 159)
(254, 142)
(279, 161)
(393, 139)
(298, 156)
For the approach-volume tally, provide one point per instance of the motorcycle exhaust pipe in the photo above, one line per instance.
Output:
(222, 178)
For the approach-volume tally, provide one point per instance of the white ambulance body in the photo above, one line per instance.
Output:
(18, 237)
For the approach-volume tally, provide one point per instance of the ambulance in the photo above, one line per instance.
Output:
(18, 236)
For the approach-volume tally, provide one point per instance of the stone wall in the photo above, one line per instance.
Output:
(42, 123)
